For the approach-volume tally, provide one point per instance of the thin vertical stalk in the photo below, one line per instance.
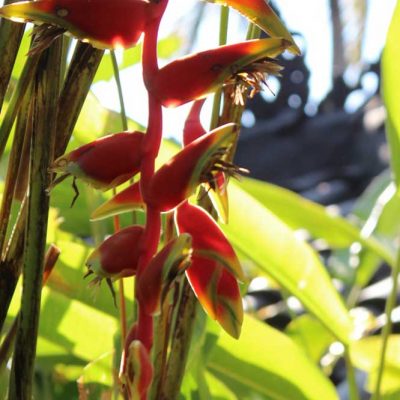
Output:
(387, 329)
(12, 170)
(11, 263)
(180, 345)
(16, 100)
(46, 89)
(223, 36)
(119, 88)
(81, 72)
(351, 377)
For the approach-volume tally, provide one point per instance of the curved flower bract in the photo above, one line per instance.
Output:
(197, 163)
(214, 269)
(104, 163)
(138, 370)
(104, 24)
(127, 200)
(261, 13)
(197, 75)
(153, 284)
(208, 239)
(218, 292)
(192, 130)
(117, 256)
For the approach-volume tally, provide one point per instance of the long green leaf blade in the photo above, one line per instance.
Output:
(269, 365)
(272, 245)
(391, 87)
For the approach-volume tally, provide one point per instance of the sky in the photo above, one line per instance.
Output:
(309, 17)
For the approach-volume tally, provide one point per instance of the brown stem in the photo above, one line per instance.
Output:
(14, 162)
(10, 39)
(46, 89)
(180, 345)
(11, 264)
(80, 75)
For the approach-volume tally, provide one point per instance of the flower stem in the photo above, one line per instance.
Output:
(119, 88)
(223, 36)
(180, 345)
(351, 378)
(387, 329)
(46, 89)
(10, 39)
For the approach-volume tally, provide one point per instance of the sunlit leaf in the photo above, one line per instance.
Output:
(287, 259)
(366, 356)
(267, 363)
(391, 88)
(300, 213)
(311, 335)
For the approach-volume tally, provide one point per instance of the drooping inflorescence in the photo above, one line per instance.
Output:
(198, 247)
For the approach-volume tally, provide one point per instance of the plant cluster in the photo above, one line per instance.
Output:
(176, 237)
(194, 244)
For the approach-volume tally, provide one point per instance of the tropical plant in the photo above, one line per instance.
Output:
(164, 241)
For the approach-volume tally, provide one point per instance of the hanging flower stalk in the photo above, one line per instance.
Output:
(200, 250)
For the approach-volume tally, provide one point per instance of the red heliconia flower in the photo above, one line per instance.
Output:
(215, 267)
(175, 181)
(154, 282)
(103, 23)
(197, 163)
(218, 292)
(208, 240)
(195, 76)
(259, 12)
(117, 256)
(105, 163)
(138, 371)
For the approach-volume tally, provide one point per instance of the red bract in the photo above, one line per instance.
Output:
(218, 292)
(261, 13)
(200, 162)
(213, 268)
(118, 255)
(197, 163)
(208, 239)
(104, 163)
(153, 284)
(138, 372)
(103, 23)
(195, 76)
(193, 130)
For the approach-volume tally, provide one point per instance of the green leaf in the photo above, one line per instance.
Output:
(366, 355)
(298, 212)
(266, 364)
(218, 390)
(107, 121)
(391, 88)
(311, 335)
(273, 246)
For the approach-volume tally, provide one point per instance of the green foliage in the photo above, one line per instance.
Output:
(78, 345)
